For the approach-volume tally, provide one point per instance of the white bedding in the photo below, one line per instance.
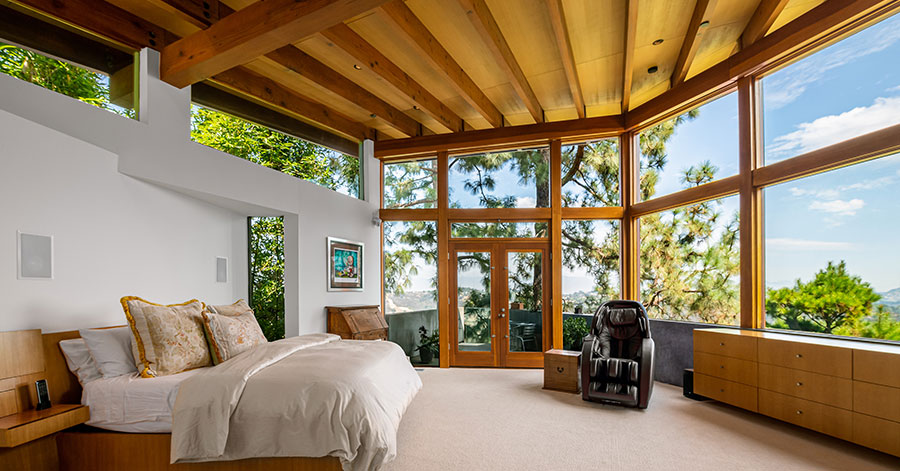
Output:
(313, 395)
(133, 404)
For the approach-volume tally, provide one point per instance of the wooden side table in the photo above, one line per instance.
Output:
(26, 440)
(562, 370)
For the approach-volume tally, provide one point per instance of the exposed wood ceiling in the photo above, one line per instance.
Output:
(394, 69)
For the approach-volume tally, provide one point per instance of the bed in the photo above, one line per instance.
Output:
(349, 396)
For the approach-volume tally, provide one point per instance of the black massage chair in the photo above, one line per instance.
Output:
(617, 356)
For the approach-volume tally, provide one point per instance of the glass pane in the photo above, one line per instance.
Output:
(498, 229)
(690, 263)
(410, 288)
(410, 185)
(526, 301)
(514, 179)
(90, 87)
(276, 150)
(473, 301)
(845, 90)
(831, 252)
(266, 240)
(590, 274)
(590, 174)
(694, 148)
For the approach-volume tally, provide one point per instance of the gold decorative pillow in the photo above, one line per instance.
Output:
(167, 339)
(231, 330)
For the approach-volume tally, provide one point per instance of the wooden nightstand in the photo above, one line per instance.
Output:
(30, 425)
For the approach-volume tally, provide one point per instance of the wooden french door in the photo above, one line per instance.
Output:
(499, 303)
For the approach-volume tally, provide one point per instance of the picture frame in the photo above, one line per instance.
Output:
(345, 264)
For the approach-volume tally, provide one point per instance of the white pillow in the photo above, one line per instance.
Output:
(111, 349)
(80, 361)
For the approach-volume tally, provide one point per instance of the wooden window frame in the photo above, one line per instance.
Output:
(752, 178)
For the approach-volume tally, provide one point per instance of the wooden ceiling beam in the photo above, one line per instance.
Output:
(761, 21)
(252, 32)
(162, 13)
(692, 40)
(352, 43)
(481, 18)
(566, 54)
(305, 65)
(100, 19)
(407, 23)
(270, 93)
(628, 62)
(824, 23)
(508, 137)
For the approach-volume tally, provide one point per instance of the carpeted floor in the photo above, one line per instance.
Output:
(470, 419)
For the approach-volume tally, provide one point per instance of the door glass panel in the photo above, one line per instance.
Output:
(473, 301)
(526, 301)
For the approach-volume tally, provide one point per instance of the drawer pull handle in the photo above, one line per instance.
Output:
(721, 390)
(721, 344)
(799, 412)
(722, 367)
(799, 383)
(559, 369)
(799, 356)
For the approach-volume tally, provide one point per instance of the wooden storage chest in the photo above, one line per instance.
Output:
(562, 370)
(357, 322)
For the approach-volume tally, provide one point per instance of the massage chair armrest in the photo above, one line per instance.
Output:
(587, 352)
(648, 349)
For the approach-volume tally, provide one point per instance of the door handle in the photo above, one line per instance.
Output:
(500, 316)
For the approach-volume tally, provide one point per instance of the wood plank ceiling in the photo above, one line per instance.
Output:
(394, 69)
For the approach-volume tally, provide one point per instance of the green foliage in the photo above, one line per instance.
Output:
(267, 274)
(834, 301)
(59, 76)
(275, 150)
(574, 330)
(429, 342)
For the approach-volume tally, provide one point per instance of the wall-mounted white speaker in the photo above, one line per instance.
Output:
(35, 257)
(221, 270)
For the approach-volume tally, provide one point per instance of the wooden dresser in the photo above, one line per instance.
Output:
(357, 322)
(844, 388)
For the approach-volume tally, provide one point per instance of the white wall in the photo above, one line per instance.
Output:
(178, 180)
(113, 235)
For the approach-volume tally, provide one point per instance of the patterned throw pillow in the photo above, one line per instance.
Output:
(167, 339)
(231, 330)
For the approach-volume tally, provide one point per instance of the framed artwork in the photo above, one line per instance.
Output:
(345, 265)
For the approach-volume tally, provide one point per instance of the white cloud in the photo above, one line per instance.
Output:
(806, 245)
(823, 194)
(893, 89)
(838, 207)
(786, 86)
(525, 202)
(832, 129)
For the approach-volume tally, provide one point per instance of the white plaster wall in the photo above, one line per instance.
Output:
(113, 235)
(185, 177)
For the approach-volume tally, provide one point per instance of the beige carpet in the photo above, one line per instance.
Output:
(468, 419)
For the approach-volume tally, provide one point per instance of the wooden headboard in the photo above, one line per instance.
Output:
(27, 356)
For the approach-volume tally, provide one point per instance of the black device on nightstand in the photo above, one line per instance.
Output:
(43, 394)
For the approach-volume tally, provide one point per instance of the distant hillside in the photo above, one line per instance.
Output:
(410, 301)
(890, 298)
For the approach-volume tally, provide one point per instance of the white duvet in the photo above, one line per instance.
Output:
(313, 395)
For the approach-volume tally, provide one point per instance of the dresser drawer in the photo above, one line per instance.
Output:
(725, 344)
(882, 435)
(830, 390)
(877, 400)
(812, 415)
(378, 334)
(877, 367)
(729, 392)
(732, 369)
(833, 361)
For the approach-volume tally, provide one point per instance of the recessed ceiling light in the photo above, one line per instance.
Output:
(704, 24)
(415, 107)
(372, 115)
(657, 42)
(357, 67)
(652, 70)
